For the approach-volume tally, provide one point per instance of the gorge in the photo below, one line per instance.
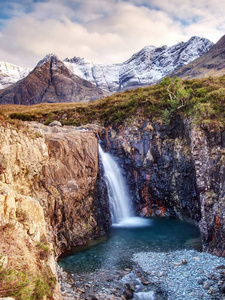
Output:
(170, 170)
(52, 193)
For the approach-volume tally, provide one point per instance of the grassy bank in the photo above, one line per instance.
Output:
(201, 99)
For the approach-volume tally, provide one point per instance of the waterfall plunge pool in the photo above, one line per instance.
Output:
(129, 234)
(115, 250)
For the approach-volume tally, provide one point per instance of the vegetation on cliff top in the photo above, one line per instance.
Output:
(201, 99)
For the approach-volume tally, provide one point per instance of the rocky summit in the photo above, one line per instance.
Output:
(50, 82)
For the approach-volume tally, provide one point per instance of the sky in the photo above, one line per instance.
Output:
(104, 31)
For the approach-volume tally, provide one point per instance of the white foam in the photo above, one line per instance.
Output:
(133, 222)
(144, 295)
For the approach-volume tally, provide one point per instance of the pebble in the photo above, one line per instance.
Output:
(179, 275)
(201, 281)
(206, 285)
(187, 274)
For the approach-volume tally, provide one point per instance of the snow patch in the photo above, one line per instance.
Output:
(10, 73)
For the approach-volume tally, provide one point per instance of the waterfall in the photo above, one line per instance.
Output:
(119, 199)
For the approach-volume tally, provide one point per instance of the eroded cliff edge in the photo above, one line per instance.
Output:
(49, 201)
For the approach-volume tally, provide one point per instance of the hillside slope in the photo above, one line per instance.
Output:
(211, 63)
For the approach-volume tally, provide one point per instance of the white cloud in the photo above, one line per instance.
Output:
(103, 30)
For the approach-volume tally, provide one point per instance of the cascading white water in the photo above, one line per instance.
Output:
(119, 199)
(118, 196)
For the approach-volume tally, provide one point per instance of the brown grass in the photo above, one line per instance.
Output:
(43, 108)
(26, 276)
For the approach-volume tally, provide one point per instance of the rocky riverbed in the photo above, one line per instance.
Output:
(185, 274)
(109, 284)
(178, 275)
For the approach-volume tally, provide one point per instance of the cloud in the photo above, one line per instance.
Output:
(104, 31)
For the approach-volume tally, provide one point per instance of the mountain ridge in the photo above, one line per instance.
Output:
(79, 80)
(209, 64)
(144, 67)
(10, 73)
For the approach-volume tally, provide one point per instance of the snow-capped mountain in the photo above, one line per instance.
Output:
(10, 74)
(143, 68)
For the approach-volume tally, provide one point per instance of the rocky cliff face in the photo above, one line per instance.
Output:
(25, 246)
(208, 152)
(50, 82)
(69, 183)
(175, 170)
(52, 196)
(49, 180)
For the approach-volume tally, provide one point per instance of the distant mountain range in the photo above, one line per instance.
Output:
(143, 68)
(78, 79)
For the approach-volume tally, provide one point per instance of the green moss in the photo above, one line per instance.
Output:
(41, 289)
(14, 284)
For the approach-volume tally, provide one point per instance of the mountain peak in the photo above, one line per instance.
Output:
(50, 81)
(78, 60)
(211, 63)
(47, 58)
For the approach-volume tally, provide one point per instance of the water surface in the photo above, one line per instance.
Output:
(123, 240)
